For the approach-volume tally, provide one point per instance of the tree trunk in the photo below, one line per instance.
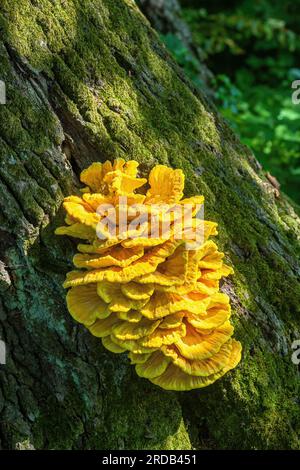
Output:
(89, 80)
(166, 17)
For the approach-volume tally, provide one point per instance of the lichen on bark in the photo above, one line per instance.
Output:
(89, 80)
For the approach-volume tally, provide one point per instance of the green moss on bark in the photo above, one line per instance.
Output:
(89, 80)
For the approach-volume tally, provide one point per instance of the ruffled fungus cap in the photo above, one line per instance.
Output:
(149, 296)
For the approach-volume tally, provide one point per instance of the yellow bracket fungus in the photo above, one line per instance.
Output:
(149, 294)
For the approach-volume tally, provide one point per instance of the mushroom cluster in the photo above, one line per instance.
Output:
(151, 293)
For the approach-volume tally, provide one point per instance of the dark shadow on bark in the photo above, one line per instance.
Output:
(60, 388)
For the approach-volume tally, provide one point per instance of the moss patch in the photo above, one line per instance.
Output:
(89, 80)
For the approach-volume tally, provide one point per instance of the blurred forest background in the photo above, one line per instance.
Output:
(251, 49)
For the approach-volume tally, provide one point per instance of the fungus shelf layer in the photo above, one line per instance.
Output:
(144, 282)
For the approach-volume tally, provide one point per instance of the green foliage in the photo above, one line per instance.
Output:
(253, 48)
(268, 122)
(184, 57)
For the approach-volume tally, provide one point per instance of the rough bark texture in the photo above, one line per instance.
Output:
(89, 80)
(166, 17)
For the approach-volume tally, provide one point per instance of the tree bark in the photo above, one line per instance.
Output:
(89, 80)
(166, 17)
